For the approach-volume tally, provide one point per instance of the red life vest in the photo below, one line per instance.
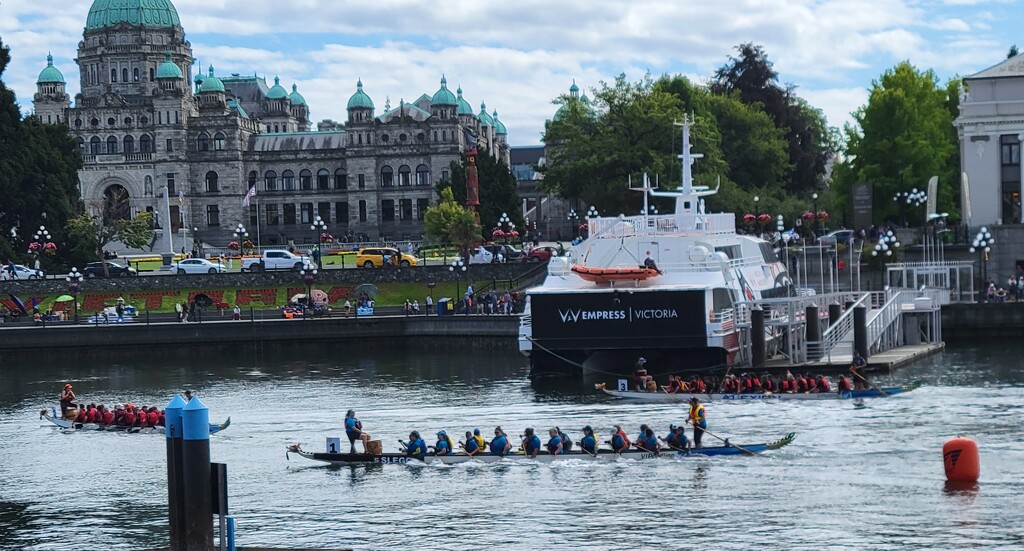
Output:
(824, 386)
(82, 416)
(108, 417)
(94, 415)
(769, 385)
(700, 385)
(129, 419)
(844, 385)
(153, 418)
(748, 383)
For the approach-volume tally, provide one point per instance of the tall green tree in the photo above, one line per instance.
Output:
(93, 232)
(450, 223)
(38, 178)
(498, 191)
(902, 137)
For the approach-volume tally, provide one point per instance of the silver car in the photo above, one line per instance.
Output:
(199, 266)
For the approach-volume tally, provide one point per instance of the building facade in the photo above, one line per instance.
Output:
(190, 150)
(991, 131)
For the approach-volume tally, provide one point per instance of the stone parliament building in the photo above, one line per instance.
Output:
(193, 148)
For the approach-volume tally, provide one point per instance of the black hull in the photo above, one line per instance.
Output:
(660, 362)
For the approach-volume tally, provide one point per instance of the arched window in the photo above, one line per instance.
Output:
(306, 180)
(252, 178)
(323, 179)
(124, 75)
(211, 182)
(112, 145)
(203, 142)
(288, 180)
(435, 135)
(151, 79)
(95, 146)
(444, 135)
(145, 144)
(116, 205)
(113, 75)
(135, 75)
(385, 138)
(340, 179)
(404, 176)
(422, 175)
(81, 146)
(270, 180)
(387, 177)
(129, 144)
(218, 142)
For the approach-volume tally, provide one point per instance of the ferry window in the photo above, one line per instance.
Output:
(768, 254)
(721, 299)
(732, 251)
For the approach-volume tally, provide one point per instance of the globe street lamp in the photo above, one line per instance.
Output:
(592, 212)
(319, 228)
(814, 197)
(887, 243)
(982, 244)
(458, 267)
(241, 236)
(913, 197)
(309, 277)
(73, 278)
(652, 210)
(574, 219)
(41, 243)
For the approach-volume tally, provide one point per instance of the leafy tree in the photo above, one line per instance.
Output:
(1013, 52)
(498, 192)
(95, 231)
(449, 222)
(900, 139)
(754, 149)
(38, 177)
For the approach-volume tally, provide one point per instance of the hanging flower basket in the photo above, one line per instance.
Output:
(807, 215)
(233, 245)
(764, 218)
(497, 233)
(822, 216)
(247, 246)
(326, 238)
(513, 234)
(749, 218)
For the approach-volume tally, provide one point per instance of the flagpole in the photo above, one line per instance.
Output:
(257, 223)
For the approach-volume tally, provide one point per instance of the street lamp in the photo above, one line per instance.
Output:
(814, 197)
(319, 228)
(40, 244)
(652, 210)
(309, 277)
(241, 235)
(592, 212)
(458, 267)
(887, 243)
(912, 197)
(982, 245)
(574, 219)
(73, 278)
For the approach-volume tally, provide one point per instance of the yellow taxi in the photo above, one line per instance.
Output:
(377, 257)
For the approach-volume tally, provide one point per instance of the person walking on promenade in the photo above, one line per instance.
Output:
(698, 418)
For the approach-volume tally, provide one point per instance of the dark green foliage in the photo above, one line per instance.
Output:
(38, 180)
(497, 189)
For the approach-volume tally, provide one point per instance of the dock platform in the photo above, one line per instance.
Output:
(884, 361)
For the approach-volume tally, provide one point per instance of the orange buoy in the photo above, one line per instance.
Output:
(960, 457)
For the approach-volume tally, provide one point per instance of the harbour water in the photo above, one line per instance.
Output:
(867, 477)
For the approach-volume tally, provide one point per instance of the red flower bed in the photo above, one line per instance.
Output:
(154, 299)
(340, 293)
(292, 291)
(95, 302)
(245, 297)
(215, 296)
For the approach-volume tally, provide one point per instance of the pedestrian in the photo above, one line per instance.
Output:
(236, 313)
(429, 301)
(179, 310)
(120, 310)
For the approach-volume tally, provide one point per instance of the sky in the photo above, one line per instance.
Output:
(518, 56)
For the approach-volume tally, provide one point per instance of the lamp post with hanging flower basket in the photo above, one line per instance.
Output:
(41, 244)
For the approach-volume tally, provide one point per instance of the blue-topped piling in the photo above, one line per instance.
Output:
(196, 474)
(175, 498)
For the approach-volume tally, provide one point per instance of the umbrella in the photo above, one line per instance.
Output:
(298, 297)
(18, 302)
(319, 297)
(64, 298)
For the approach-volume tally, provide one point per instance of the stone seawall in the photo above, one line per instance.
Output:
(350, 276)
(967, 322)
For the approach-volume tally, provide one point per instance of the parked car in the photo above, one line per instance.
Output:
(507, 253)
(541, 254)
(838, 236)
(480, 255)
(377, 257)
(22, 272)
(95, 269)
(199, 266)
(276, 259)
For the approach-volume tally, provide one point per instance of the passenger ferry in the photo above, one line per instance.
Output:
(662, 287)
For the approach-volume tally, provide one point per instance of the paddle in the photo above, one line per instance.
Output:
(683, 450)
(617, 452)
(726, 440)
(641, 448)
(584, 450)
(880, 391)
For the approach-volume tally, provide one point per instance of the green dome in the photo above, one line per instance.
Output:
(485, 119)
(168, 69)
(296, 97)
(464, 107)
(499, 127)
(277, 91)
(144, 13)
(211, 83)
(50, 74)
(360, 100)
(573, 90)
(444, 96)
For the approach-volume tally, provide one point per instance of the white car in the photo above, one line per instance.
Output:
(199, 266)
(481, 256)
(22, 272)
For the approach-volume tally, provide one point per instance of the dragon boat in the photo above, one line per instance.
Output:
(755, 396)
(67, 424)
(542, 457)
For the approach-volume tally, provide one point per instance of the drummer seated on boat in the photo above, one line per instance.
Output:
(444, 444)
(354, 431)
(531, 443)
(416, 448)
(554, 445)
(589, 442)
(67, 400)
(500, 444)
(640, 376)
(619, 441)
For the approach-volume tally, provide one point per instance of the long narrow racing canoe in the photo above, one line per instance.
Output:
(67, 424)
(542, 457)
(685, 397)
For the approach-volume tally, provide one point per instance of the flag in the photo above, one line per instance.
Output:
(471, 140)
(181, 197)
(248, 196)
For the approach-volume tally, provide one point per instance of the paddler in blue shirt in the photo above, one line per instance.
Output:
(648, 442)
(677, 439)
(416, 447)
(589, 442)
(500, 444)
(471, 447)
(531, 443)
(444, 444)
(555, 442)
